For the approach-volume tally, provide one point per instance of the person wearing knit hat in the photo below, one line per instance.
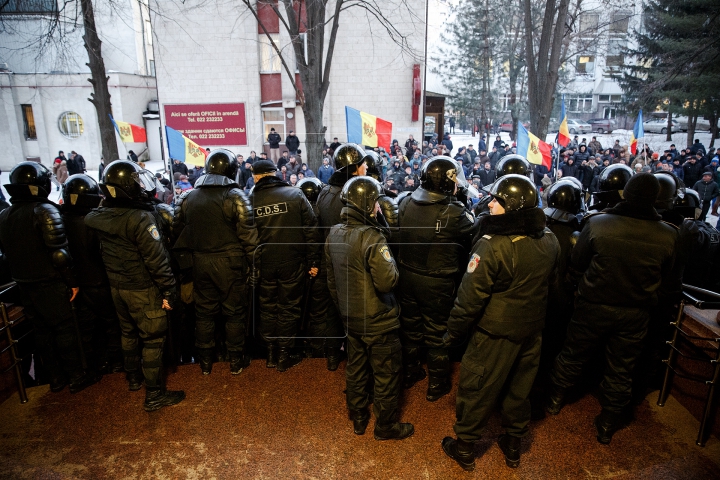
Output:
(708, 191)
(625, 257)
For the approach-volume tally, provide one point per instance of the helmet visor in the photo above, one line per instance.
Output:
(458, 176)
(145, 179)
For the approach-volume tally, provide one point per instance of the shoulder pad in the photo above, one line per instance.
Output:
(165, 209)
(179, 200)
(237, 194)
(46, 208)
(670, 224)
(574, 238)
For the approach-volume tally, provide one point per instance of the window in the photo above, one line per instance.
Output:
(620, 23)
(504, 103)
(28, 122)
(273, 118)
(28, 7)
(609, 98)
(303, 38)
(609, 112)
(615, 58)
(269, 59)
(71, 125)
(589, 23)
(585, 65)
(579, 103)
(152, 68)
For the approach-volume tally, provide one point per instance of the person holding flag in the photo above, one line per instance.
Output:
(637, 134)
(563, 136)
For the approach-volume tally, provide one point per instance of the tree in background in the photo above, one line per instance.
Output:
(678, 61)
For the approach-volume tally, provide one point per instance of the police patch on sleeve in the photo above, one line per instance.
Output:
(385, 251)
(474, 262)
(152, 230)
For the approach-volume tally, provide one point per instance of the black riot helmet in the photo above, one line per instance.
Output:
(30, 179)
(81, 190)
(688, 205)
(614, 178)
(348, 155)
(222, 162)
(669, 187)
(566, 196)
(374, 164)
(439, 174)
(126, 179)
(514, 192)
(310, 187)
(512, 164)
(361, 193)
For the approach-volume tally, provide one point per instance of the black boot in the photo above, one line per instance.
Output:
(205, 360)
(272, 356)
(437, 388)
(157, 398)
(413, 375)
(510, 446)
(81, 382)
(286, 359)
(555, 400)
(395, 431)
(333, 358)
(461, 451)
(607, 423)
(238, 362)
(58, 383)
(135, 380)
(360, 420)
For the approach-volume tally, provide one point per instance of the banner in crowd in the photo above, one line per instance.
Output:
(128, 132)
(368, 130)
(637, 134)
(184, 149)
(531, 147)
(563, 133)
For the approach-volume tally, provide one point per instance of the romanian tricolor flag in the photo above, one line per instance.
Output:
(637, 134)
(182, 148)
(563, 133)
(531, 147)
(129, 133)
(368, 130)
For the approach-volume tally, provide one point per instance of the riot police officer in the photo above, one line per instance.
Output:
(289, 244)
(624, 258)
(141, 281)
(96, 313)
(388, 206)
(215, 222)
(436, 232)
(501, 302)
(33, 240)
(611, 183)
(361, 275)
(349, 161)
(508, 165)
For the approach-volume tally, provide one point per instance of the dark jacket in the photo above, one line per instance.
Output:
(286, 225)
(693, 172)
(132, 247)
(329, 204)
(84, 245)
(215, 217)
(325, 172)
(274, 140)
(436, 232)
(33, 240)
(180, 168)
(505, 287)
(707, 191)
(361, 275)
(487, 177)
(625, 257)
(292, 142)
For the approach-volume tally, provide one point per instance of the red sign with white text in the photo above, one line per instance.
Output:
(211, 124)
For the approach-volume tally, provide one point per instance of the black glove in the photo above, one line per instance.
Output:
(171, 295)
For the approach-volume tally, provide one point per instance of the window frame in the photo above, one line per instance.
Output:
(592, 61)
(266, 49)
(267, 124)
(78, 122)
(29, 128)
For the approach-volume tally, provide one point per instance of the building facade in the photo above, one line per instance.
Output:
(222, 84)
(44, 86)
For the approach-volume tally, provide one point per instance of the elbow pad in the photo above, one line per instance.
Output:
(61, 259)
(389, 210)
(48, 218)
(237, 207)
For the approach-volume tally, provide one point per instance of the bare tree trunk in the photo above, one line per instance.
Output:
(100, 97)
(692, 124)
(543, 63)
(713, 129)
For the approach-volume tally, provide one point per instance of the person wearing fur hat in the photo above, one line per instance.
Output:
(624, 265)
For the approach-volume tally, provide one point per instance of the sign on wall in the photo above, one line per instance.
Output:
(209, 124)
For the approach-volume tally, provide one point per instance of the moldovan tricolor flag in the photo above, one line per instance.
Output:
(129, 133)
(531, 147)
(563, 133)
(184, 149)
(637, 134)
(368, 130)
